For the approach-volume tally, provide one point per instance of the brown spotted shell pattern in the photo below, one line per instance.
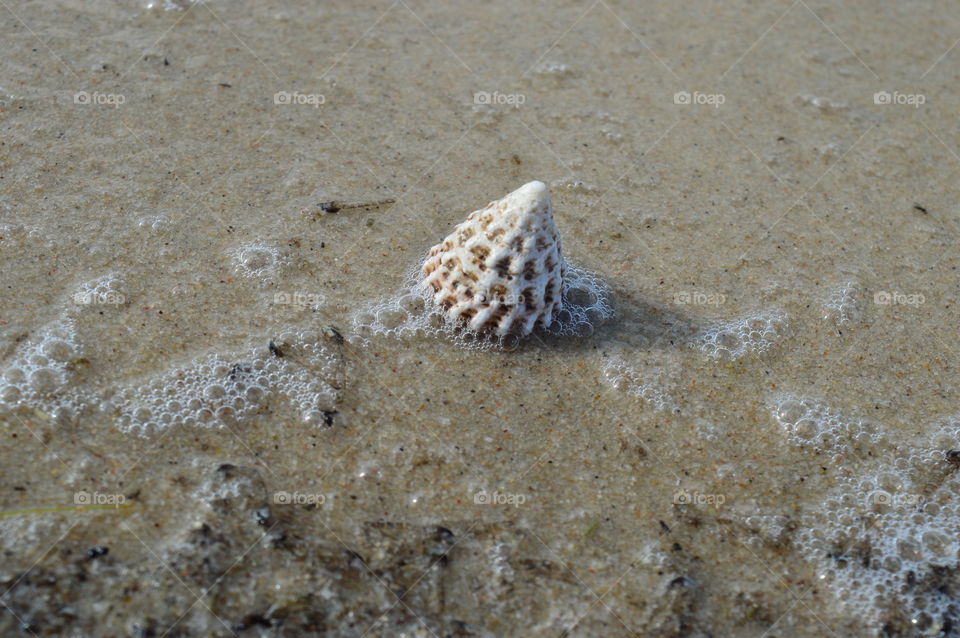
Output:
(501, 271)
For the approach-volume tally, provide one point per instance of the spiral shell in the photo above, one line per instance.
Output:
(501, 270)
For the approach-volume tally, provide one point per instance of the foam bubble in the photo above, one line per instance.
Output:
(257, 260)
(171, 5)
(155, 223)
(106, 290)
(574, 186)
(823, 104)
(648, 382)
(553, 69)
(754, 333)
(40, 374)
(885, 540)
(811, 423)
(218, 389)
(886, 536)
(844, 305)
(411, 312)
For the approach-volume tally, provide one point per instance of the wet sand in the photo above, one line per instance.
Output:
(204, 436)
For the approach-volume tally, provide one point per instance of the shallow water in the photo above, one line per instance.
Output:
(211, 431)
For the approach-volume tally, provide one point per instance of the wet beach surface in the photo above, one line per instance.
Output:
(218, 415)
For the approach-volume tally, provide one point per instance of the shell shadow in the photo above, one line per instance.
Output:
(636, 322)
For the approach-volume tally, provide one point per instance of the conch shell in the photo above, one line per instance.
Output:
(501, 271)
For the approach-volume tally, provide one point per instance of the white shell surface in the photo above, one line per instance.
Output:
(501, 270)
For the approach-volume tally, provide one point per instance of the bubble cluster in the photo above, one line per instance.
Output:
(39, 374)
(811, 423)
(648, 383)
(844, 305)
(411, 313)
(586, 303)
(885, 538)
(106, 290)
(733, 339)
(219, 390)
(256, 260)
